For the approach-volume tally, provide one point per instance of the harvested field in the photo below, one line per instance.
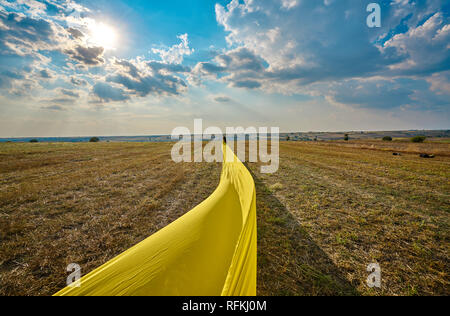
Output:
(85, 204)
(331, 210)
(334, 208)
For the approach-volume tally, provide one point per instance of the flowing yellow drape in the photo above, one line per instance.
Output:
(210, 251)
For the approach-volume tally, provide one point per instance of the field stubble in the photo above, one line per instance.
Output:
(332, 209)
(85, 204)
(354, 203)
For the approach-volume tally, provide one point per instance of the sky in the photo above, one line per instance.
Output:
(144, 67)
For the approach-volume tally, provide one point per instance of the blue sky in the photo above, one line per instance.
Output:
(81, 68)
(149, 23)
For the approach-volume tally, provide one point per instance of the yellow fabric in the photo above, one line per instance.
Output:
(210, 251)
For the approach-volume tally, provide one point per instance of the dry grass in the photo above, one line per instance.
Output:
(342, 206)
(85, 204)
(431, 146)
(332, 209)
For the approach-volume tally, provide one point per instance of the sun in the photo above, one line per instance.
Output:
(103, 35)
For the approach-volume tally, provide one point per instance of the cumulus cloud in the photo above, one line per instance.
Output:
(174, 68)
(37, 8)
(107, 93)
(28, 36)
(289, 4)
(239, 68)
(176, 53)
(12, 74)
(78, 82)
(90, 56)
(207, 68)
(309, 42)
(440, 82)
(38, 42)
(128, 67)
(143, 86)
(22, 35)
(222, 99)
(18, 82)
(45, 74)
(70, 93)
(31, 34)
(317, 48)
(313, 47)
(425, 49)
(54, 108)
(382, 94)
(29, 30)
(77, 34)
(140, 77)
(250, 84)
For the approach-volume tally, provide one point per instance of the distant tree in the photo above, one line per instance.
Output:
(387, 138)
(346, 137)
(34, 140)
(94, 140)
(418, 139)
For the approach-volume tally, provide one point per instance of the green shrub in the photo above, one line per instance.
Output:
(34, 141)
(94, 140)
(346, 137)
(418, 139)
(387, 138)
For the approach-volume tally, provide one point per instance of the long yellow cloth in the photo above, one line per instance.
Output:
(210, 251)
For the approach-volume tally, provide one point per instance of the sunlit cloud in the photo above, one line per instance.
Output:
(101, 34)
(297, 54)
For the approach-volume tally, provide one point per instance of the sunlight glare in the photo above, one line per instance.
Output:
(103, 35)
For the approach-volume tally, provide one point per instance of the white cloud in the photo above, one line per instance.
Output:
(440, 83)
(176, 53)
(425, 47)
(289, 4)
(315, 45)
